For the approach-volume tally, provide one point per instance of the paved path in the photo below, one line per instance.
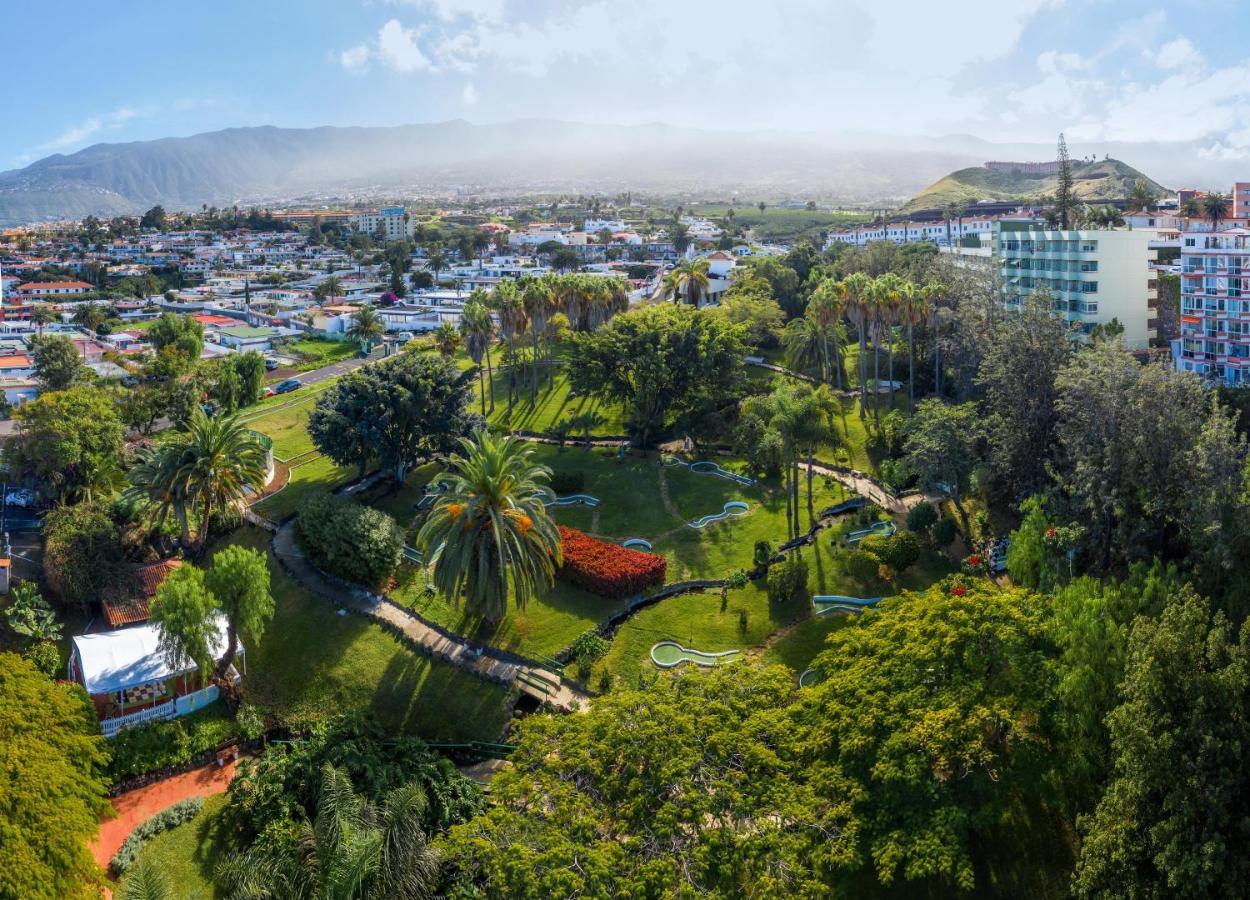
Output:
(451, 649)
(137, 806)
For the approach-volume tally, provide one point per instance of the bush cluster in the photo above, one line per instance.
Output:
(354, 542)
(180, 812)
(899, 552)
(787, 582)
(568, 482)
(608, 570)
(160, 745)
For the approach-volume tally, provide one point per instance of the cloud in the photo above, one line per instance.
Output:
(469, 94)
(448, 10)
(90, 127)
(355, 59)
(397, 47)
(1177, 54)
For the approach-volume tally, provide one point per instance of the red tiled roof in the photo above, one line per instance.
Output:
(132, 610)
(55, 285)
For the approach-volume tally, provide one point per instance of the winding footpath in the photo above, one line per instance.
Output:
(484, 662)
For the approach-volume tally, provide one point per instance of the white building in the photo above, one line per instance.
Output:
(1092, 275)
(1215, 319)
(390, 223)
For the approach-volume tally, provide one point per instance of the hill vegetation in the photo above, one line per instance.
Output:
(1104, 179)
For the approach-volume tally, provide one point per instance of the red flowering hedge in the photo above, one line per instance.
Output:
(608, 570)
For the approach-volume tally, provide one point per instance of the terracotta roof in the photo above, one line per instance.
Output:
(132, 610)
(16, 361)
(55, 285)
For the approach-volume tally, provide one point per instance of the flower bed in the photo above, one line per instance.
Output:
(608, 570)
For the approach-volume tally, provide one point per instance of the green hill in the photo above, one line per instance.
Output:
(1105, 179)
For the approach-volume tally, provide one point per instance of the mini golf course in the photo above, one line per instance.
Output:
(826, 603)
(707, 467)
(733, 509)
(885, 529)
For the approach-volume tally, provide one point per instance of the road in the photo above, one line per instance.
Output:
(315, 376)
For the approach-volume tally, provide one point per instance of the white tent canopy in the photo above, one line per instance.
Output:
(113, 660)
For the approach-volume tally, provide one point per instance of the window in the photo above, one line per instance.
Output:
(1089, 287)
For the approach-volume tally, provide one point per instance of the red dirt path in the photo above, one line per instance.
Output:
(135, 806)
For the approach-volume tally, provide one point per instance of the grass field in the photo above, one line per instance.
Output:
(313, 353)
(187, 854)
(313, 663)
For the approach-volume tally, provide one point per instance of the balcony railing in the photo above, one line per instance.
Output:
(167, 710)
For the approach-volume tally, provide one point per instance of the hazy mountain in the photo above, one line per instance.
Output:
(272, 165)
(1104, 179)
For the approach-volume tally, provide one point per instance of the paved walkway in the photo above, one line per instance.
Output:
(137, 806)
(451, 649)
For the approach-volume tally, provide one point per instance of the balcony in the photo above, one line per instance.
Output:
(110, 727)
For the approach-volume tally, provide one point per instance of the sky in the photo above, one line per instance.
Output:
(1021, 70)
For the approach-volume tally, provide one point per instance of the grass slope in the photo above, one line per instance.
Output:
(1108, 179)
(188, 854)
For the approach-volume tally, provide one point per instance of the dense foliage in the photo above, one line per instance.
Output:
(354, 542)
(393, 413)
(608, 569)
(82, 553)
(51, 787)
(69, 442)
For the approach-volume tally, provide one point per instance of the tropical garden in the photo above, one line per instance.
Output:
(849, 583)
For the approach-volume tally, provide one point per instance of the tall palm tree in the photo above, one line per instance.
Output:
(477, 328)
(814, 428)
(537, 300)
(158, 490)
(1191, 208)
(858, 290)
(915, 310)
(827, 305)
(936, 292)
(899, 298)
(436, 261)
(490, 534)
(367, 326)
(352, 850)
(688, 281)
(511, 312)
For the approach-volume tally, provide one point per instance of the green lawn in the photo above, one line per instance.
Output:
(551, 404)
(800, 645)
(188, 854)
(313, 663)
(321, 475)
(313, 353)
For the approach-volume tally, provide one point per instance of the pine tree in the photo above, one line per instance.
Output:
(1064, 199)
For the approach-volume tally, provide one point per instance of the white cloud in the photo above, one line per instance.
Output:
(397, 47)
(1177, 54)
(90, 127)
(469, 94)
(355, 59)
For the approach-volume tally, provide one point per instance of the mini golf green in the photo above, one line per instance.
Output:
(667, 654)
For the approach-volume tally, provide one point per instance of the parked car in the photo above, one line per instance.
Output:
(271, 363)
(285, 387)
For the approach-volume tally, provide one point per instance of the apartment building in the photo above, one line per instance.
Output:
(390, 223)
(1092, 275)
(1215, 319)
(910, 232)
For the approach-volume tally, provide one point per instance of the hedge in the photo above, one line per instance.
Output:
(354, 542)
(161, 745)
(608, 570)
(181, 812)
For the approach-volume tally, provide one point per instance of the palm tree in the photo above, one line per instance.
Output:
(352, 850)
(90, 315)
(802, 343)
(813, 428)
(936, 292)
(328, 287)
(511, 312)
(436, 261)
(42, 315)
(367, 326)
(446, 339)
(916, 310)
(1215, 207)
(157, 488)
(210, 465)
(901, 295)
(537, 300)
(689, 281)
(1191, 208)
(477, 328)
(1141, 197)
(490, 534)
(147, 881)
(827, 304)
(858, 290)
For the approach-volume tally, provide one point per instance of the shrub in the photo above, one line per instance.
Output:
(944, 531)
(787, 582)
(354, 542)
(180, 812)
(863, 565)
(172, 743)
(608, 570)
(921, 517)
(588, 648)
(565, 482)
(45, 657)
(899, 552)
(763, 555)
